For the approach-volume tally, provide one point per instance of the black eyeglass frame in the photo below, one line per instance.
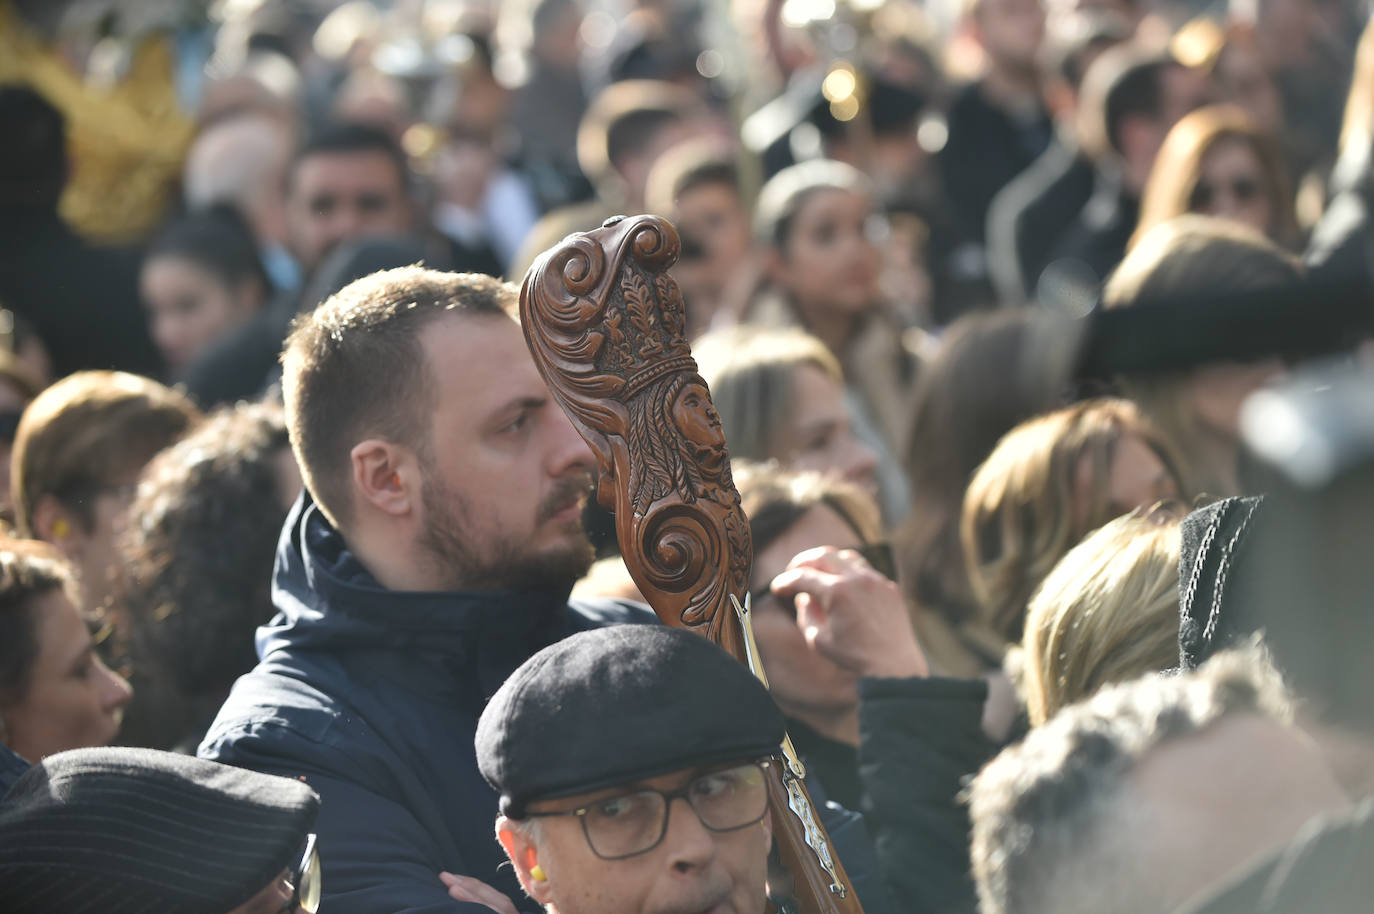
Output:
(308, 866)
(879, 555)
(668, 797)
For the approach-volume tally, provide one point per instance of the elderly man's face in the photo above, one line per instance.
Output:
(693, 869)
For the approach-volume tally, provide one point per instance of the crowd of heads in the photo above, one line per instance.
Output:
(1000, 305)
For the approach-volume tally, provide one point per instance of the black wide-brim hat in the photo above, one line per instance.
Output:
(616, 705)
(137, 830)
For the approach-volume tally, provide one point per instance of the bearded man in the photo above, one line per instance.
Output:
(432, 553)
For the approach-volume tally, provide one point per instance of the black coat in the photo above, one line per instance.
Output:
(372, 696)
(920, 741)
(988, 147)
(82, 299)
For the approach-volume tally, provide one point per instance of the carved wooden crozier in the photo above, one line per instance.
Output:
(605, 324)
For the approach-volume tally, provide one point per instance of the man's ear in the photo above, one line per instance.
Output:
(53, 523)
(524, 857)
(386, 476)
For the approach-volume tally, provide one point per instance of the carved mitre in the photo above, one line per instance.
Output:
(605, 324)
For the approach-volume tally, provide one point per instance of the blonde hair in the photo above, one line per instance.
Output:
(1190, 256)
(1178, 169)
(751, 372)
(1107, 613)
(1021, 512)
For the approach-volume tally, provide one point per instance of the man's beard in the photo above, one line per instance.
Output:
(470, 559)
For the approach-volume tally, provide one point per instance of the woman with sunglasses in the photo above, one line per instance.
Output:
(142, 830)
(1218, 161)
(790, 513)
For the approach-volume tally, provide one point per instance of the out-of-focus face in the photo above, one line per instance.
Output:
(1193, 831)
(1012, 31)
(73, 701)
(1242, 80)
(829, 265)
(560, 46)
(189, 308)
(93, 551)
(1286, 32)
(1139, 478)
(1182, 90)
(1231, 186)
(715, 216)
(508, 475)
(802, 681)
(819, 435)
(339, 196)
(692, 869)
(1218, 391)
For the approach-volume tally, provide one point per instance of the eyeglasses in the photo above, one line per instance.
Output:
(631, 824)
(880, 555)
(306, 884)
(1244, 189)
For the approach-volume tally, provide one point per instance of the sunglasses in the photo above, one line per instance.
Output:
(306, 884)
(1245, 189)
(879, 555)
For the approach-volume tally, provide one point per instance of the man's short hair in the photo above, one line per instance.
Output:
(686, 167)
(1125, 81)
(350, 138)
(624, 119)
(1047, 823)
(196, 570)
(89, 431)
(354, 368)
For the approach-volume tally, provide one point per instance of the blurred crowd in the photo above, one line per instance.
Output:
(1039, 332)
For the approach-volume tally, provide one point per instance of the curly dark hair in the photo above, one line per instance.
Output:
(29, 570)
(197, 566)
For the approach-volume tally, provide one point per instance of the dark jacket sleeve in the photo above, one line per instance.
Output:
(376, 857)
(385, 867)
(854, 847)
(920, 739)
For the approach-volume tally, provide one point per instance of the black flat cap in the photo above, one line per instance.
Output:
(94, 830)
(619, 704)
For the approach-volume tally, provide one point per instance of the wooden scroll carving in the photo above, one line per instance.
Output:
(605, 324)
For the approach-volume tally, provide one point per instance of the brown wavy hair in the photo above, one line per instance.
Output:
(1178, 168)
(1021, 513)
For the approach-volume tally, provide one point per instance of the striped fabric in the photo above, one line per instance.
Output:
(128, 831)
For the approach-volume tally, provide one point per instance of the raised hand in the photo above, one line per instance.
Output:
(851, 614)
